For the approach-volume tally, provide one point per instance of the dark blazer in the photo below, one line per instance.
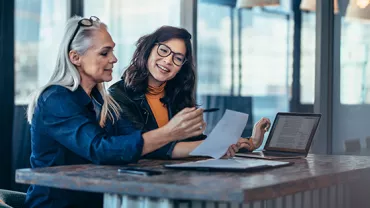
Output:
(135, 108)
(65, 131)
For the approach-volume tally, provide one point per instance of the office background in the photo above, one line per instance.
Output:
(260, 60)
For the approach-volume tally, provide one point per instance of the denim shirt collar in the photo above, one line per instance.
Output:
(84, 99)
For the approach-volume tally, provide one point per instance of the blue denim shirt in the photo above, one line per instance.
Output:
(65, 131)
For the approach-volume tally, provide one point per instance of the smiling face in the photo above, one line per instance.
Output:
(96, 65)
(162, 69)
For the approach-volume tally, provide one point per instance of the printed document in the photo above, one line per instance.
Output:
(226, 132)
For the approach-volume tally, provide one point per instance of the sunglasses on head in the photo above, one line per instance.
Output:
(83, 23)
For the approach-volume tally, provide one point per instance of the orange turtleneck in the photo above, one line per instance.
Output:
(158, 108)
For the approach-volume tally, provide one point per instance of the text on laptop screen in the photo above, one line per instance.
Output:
(292, 132)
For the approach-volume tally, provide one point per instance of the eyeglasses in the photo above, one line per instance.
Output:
(178, 59)
(85, 23)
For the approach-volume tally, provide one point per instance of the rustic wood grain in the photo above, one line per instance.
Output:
(316, 171)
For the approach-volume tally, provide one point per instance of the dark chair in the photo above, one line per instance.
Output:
(21, 145)
(12, 199)
(352, 145)
(237, 103)
(368, 142)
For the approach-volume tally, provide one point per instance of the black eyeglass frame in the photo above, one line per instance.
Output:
(171, 52)
(82, 23)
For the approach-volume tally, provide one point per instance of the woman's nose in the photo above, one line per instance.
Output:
(114, 60)
(168, 59)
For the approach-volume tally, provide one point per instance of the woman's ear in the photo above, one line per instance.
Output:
(74, 58)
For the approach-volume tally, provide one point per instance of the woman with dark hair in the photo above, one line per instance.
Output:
(157, 88)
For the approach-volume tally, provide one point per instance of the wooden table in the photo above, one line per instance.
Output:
(317, 181)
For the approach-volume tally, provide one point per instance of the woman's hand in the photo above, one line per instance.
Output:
(245, 143)
(187, 123)
(234, 148)
(259, 130)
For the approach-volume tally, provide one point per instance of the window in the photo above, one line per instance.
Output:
(214, 49)
(355, 69)
(266, 61)
(308, 47)
(128, 20)
(39, 28)
(244, 61)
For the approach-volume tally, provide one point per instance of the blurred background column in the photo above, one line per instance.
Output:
(6, 89)
(324, 75)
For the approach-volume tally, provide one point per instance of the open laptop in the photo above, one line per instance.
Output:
(290, 137)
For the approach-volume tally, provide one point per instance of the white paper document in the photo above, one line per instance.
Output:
(234, 163)
(226, 132)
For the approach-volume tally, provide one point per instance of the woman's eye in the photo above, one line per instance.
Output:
(179, 57)
(164, 50)
(104, 53)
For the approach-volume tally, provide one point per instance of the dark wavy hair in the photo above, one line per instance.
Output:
(179, 90)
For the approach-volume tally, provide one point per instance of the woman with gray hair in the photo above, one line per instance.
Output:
(72, 116)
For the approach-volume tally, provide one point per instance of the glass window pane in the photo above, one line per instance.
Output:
(355, 69)
(351, 110)
(266, 62)
(264, 42)
(308, 47)
(265, 45)
(39, 26)
(214, 48)
(128, 20)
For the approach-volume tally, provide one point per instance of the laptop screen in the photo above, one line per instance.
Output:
(292, 132)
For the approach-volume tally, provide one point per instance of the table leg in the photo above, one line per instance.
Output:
(124, 201)
(338, 196)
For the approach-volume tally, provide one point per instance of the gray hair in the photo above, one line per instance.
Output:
(66, 74)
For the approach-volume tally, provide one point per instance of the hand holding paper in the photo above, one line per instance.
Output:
(226, 132)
